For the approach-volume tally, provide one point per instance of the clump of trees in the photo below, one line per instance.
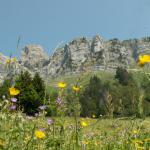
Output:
(121, 96)
(126, 94)
(92, 98)
(32, 92)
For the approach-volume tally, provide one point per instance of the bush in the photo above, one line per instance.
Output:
(122, 75)
(51, 103)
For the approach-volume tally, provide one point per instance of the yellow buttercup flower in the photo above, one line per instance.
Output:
(14, 59)
(75, 88)
(39, 134)
(143, 59)
(13, 91)
(83, 124)
(61, 85)
(8, 61)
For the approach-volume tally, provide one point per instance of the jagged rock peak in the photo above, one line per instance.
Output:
(34, 52)
(82, 54)
(97, 44)
(34, 58)
(78, 40)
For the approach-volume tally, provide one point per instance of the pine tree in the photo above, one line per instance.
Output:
(39, 86)
(28, 99)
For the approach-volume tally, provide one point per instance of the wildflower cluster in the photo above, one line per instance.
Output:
(11, 60)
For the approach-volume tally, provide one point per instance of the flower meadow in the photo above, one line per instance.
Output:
(32, 119)
(19, 131)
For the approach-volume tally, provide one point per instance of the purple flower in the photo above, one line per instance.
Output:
(50, 121)
(13, 107)
(43, 107)
(59, 101)
(14, 100)
(42, 129)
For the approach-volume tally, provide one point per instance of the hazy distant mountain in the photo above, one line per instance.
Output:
(81, 54)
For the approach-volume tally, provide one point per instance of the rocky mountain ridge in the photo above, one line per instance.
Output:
(81, 54)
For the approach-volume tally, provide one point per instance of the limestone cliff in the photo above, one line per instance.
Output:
(80, 54)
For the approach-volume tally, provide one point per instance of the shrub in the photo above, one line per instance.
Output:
(51, 103)
(122, 75)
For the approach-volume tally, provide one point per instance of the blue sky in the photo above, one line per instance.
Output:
(48, 22)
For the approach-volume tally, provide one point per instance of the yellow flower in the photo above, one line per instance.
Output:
(143, 59)
(135, 131)
(75, 88)
(13, 91)
(85, 142)
(8, 61)
(39, 134)
(93, 116)
(83, 124)
(61, 85)
(14, 59)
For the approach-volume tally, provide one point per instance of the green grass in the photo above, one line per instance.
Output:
(83, 79)
(17, 133)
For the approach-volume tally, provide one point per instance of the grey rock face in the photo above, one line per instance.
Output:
(95, 54)
(81, 54)
(3, 68)
(118, 54)
(34, 59)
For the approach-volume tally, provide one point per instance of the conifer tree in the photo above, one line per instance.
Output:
(39, 86)
(28, 98)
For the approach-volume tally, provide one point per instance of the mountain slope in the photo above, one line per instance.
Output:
(79, 55)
